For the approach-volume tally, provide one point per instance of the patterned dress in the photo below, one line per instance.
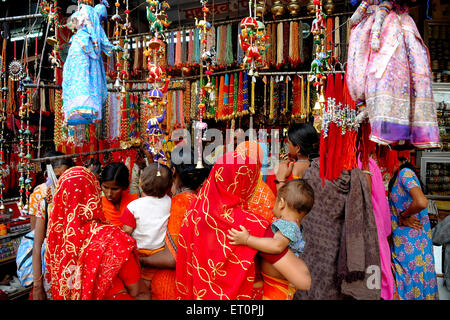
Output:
(84, 77)
(395, 81)
(412, 252)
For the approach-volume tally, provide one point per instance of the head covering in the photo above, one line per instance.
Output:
(263, 199)
(208, 266)
(83, 255)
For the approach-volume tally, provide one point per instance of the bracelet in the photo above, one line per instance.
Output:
(367, 172)
(277, 181)
(40, 278)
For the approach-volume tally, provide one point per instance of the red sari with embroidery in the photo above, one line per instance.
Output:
(208, 266)
(84, 256)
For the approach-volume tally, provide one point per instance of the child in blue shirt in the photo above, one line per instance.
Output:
(294, 200)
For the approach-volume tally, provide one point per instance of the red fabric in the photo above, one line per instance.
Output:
(130, 273)
(208, 266)
(128, 218)
(272, 258)
(83, 254)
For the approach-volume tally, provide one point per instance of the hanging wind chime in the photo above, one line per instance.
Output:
(24, 168)
(157, 78)
(206, 91)
(320, 63)
(4, 84)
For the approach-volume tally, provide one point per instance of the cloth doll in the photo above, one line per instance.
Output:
(389, 75)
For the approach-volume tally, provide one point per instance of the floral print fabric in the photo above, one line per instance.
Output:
(412, 252)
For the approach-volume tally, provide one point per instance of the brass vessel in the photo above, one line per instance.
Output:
(328, 6)
(311, 7)
(294, 7)
(277, 9)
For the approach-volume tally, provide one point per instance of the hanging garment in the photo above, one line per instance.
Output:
(84, 77)
(395, 81)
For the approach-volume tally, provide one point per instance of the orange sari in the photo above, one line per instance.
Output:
(111, 213)
(163, 282)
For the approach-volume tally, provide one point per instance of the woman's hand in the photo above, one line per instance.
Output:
(284, 170)
(238, 237)
(411, 222)
(38, 291)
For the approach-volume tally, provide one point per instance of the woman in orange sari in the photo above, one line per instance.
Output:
(208, 267)
(114, 181)
(88, 259)
(187, 180)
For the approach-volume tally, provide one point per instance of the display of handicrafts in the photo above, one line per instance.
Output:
(156, 100)
(320, 63)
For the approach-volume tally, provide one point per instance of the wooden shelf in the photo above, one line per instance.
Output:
(19, 293)
(8, 260)
(15, 234)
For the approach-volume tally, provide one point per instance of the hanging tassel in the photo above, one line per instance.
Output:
(240, 53)
(245, 105)
(279, 38)
(240, 103)
(229, 47)
(337, 40)
(226, 92)
(236, 94)
(272, 102)
(171, 52)
(329, 37)
(196, 46)
(223, 44)
(300, 41)
(191, 48)
(230, 104)
(178, 50)
(219, 114)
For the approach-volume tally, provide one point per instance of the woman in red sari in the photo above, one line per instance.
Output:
(88, 259)
(208, 266)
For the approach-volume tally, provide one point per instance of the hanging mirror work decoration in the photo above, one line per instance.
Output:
(156, 101)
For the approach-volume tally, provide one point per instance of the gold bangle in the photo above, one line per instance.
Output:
(40, 278)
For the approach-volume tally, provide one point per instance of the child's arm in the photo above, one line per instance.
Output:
(127, 229)
(273, 245)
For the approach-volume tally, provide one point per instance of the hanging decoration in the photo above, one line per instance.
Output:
(4, 168)
(320, 64)
(253, 40)
(24, 166)
(339, 130)
(206, 92)
(15, 67)
(156, 101)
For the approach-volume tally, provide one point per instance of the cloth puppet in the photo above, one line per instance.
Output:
(389, 75)
(84, 78)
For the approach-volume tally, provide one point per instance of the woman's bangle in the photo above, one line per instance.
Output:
(39, 279)
(368, 172)
(278, 181)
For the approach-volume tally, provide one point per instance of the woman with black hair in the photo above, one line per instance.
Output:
(40, 204)
(412, 247)
(303, 146)
(114, 181)
(187, 180)
(94, 165)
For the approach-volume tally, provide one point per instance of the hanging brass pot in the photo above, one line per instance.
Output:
(311, 7)
(294, 7)
(277, 9)
(329, 6)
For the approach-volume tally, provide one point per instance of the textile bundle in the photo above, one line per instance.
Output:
(339, 130)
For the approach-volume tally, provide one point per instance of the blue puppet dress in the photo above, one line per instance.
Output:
(84, 77)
